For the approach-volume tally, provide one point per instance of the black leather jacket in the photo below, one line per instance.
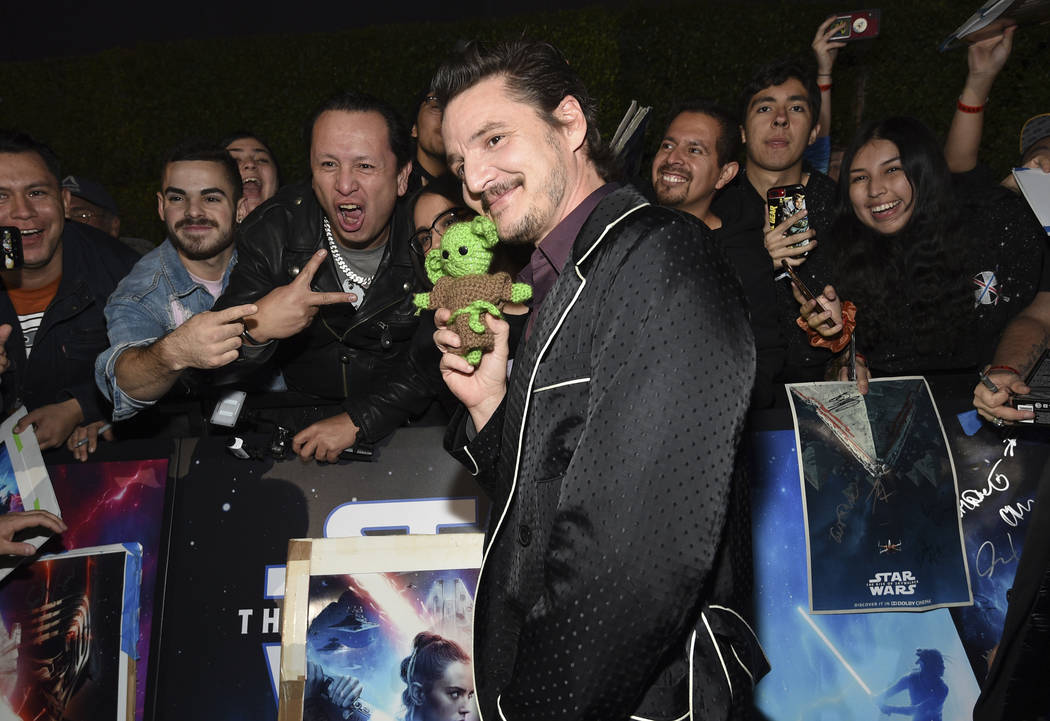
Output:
(342, 348)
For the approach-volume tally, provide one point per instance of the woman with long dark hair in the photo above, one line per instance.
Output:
(935, 264)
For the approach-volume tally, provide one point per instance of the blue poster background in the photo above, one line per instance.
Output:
(813, 679)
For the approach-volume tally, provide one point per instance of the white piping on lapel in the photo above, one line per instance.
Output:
(521, 431)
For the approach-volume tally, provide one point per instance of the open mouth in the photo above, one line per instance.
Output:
(885, 210)
(351, 217)
(672, 174)
(251, 187)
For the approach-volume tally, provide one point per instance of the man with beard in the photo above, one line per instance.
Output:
(608, 453)
(159, 318)
(696, 158)
(51, 321)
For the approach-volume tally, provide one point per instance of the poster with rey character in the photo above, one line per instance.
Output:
(879, 492)
(378, 628)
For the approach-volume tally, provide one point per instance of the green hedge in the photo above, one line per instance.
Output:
(113, 115)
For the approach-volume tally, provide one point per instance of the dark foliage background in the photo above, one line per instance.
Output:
(113, 115)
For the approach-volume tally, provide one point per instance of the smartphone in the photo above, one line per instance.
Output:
(11, 247)
(856, 25)
(228, 409)
(804, 290)
(1038, 400)
(784, 201)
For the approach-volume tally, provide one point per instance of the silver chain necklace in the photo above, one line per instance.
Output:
(341, 263)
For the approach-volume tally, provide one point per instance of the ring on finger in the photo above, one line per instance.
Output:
(999, 422)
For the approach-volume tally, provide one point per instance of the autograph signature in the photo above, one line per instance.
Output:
(971, 498)
(852, 493)
(1014, 514)
(988, 559)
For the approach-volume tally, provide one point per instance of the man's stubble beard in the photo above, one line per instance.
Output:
(530, 225)
(194, 250)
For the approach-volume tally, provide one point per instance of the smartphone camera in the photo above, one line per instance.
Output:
(11, 247)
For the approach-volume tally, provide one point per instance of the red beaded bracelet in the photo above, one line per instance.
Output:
(824, 88)
(1008, 369)
(968, 108)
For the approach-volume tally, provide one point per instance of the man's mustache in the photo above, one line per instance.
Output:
(195, 221)
(496, 192)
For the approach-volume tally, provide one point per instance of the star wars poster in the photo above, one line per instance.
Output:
(118, 501)
(832, 667)
(382, 645)
(67, 629)
(999, 471)
(883, 531)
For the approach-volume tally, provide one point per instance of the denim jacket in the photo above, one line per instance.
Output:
(155, 298)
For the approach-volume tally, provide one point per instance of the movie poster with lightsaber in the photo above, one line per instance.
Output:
(879, 496)
(838, 666)
(379, 628)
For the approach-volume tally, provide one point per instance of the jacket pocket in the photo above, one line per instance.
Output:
(557, 417)
(84, 344)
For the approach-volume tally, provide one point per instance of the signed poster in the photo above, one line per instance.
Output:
(837, 667)
(879, 494)
(998, 473)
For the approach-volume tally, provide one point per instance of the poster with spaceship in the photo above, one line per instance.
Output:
(378, 628)
(68, 635)
(24, 483)
(879, 494)
(834, 667)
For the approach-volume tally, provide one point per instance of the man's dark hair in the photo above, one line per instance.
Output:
(536, 73)
(727, 144)
(204, 150)
(353, 102)
(241, 135)
(778, 73)
(15, 141)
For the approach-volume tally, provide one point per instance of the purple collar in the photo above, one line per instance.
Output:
(553, 252)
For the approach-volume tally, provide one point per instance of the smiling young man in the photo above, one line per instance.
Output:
(327, 263)
(51, 321)
(592, 600)
(159, 318)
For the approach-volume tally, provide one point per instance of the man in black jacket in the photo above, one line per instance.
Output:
(609, 451)
(51, 321)
(328, 266)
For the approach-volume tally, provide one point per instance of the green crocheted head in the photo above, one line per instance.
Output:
(466, 249)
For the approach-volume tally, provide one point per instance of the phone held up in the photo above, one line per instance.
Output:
(804, 290)
(856, 25)
(11, 247)
(783, 201)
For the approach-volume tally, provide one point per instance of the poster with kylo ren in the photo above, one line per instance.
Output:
(387, 639)
(68, 636)
(879, 492)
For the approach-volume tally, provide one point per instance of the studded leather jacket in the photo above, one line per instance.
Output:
(343, 348)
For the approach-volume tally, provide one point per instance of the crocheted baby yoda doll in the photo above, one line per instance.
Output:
(458, 270)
